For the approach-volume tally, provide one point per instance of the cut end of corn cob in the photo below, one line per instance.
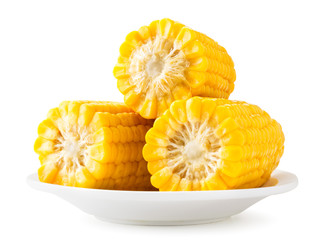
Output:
(212, 144)
(167, 61)
(94, 145)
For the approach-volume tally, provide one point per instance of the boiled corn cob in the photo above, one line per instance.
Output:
(167, 61)
(93, 145)
(212, 144)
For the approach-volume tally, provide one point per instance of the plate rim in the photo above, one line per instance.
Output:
(286, 182)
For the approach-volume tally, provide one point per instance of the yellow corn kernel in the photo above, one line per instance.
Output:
(171, 184)
(215, 144)
(47, 172)
(93, 144)
(160, 178)
(167, 61)
(184, 185)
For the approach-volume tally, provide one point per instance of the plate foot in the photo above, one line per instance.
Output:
(161, 223)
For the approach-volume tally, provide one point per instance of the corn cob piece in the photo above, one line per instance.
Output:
(167, 61)
(212, 144)
(93, 145)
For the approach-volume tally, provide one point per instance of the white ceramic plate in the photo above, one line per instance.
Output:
(166, 208)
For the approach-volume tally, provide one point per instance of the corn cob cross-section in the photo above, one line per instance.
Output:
(212, 144)
(94, 145)
(167, 61)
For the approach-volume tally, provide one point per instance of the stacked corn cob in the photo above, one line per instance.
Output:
(207, 144)
(167, 61)
(200, 140)
(95, 145)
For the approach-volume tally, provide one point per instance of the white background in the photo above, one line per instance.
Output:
(63, 50)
